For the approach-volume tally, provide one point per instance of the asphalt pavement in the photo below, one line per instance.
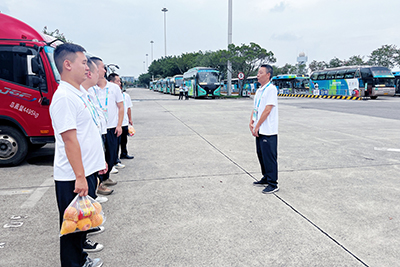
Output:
(187, 198)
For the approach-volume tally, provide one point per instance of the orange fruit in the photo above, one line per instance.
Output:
(71, 214)
(97, 220)
(97, 207)
(84, 224)
(67, 227)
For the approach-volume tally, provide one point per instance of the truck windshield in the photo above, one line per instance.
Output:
(50, 54)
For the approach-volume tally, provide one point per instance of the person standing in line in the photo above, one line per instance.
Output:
(78, 147)
(110, 100)
(264, 127)
(123, 139)
(186, 89)
(181, 92)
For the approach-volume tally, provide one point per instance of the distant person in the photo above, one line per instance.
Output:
(264, 127)
(123, 138)
(181, 92)
(78, 147)
(186, 89)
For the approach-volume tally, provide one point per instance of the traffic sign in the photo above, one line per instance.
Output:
(241, 75)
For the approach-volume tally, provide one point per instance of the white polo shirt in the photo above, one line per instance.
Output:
(69, 111)
(269, 96)
(109, 96)
(127, 104)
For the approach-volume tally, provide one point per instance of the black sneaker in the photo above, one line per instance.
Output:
(89, 246)
(270, 189)
(95, 230)
(261, 183)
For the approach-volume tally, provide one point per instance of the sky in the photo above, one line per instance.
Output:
(120, 31)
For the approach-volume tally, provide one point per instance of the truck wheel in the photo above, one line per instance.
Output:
(13, 146)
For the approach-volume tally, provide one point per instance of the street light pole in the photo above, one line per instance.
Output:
(165, 30)
(147, 61)
(151, 43)
(229, 74)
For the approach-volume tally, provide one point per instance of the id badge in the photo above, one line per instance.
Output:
(255, 113)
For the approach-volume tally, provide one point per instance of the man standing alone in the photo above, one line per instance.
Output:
(264, 127)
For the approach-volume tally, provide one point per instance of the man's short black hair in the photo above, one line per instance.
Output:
(268, 68)
(112, 76)
(90, 64)
(96, 60)
(66, 51)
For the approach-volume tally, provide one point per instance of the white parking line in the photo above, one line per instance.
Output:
(15, 192)
(37, 194)
(387, 149)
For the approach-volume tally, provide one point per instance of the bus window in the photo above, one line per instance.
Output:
(350, 74)
(366, 73)
(331, 75)
(357, 75)
(314, 76)
(322, 76)
(340, 74)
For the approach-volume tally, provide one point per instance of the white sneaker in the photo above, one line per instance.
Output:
(119, 166)
(114, 170)
(101, 199)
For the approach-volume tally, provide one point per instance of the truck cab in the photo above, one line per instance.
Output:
(28, 80)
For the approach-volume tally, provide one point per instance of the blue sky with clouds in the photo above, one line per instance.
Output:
(120, 31)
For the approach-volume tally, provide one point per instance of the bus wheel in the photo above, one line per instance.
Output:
(13, 146)
(374, 97)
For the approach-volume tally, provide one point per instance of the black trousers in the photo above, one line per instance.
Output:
(71, 245)
(123, 141)
(111, 153)
(267, 152)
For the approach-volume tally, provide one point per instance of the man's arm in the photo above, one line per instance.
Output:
(263, 117)
(118, 130)
(130, 116)
(73, 151)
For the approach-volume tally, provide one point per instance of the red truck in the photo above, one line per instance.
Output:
(28, 80)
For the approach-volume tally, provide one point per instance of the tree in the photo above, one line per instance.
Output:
(144, 79)
(385, 56)
(335, 62)
(317, 65)
(248, 58)
(355, 61)
(56, 33)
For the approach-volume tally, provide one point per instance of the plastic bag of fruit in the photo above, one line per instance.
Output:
(82, 214)
(131, 130)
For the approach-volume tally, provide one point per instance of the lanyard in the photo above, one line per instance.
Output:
(92, 111)
(259, 99)
(105, 109)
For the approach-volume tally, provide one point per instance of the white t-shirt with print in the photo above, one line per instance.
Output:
(269, 96)
(68, 111)
(100, 111)
(127, 104)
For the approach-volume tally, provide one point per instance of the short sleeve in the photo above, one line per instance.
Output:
(64, 115)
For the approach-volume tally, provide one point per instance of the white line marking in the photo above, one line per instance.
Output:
(38, 194)
(15, 192)
(387, 149)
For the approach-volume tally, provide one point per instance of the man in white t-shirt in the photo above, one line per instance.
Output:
(123, 139)
(111, 101)
(78, 147)
(264, 126)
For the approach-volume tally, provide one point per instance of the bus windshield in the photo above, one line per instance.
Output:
(50, 54)
(208, 77)
(381, 72)
(178, 82)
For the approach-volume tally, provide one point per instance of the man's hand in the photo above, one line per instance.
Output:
(104, 171)
(81, 186)
(118, 131)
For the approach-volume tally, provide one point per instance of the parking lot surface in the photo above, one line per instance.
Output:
(187, 198)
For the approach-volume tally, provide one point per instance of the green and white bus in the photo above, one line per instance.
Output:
(203, 82)
(176, 82)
